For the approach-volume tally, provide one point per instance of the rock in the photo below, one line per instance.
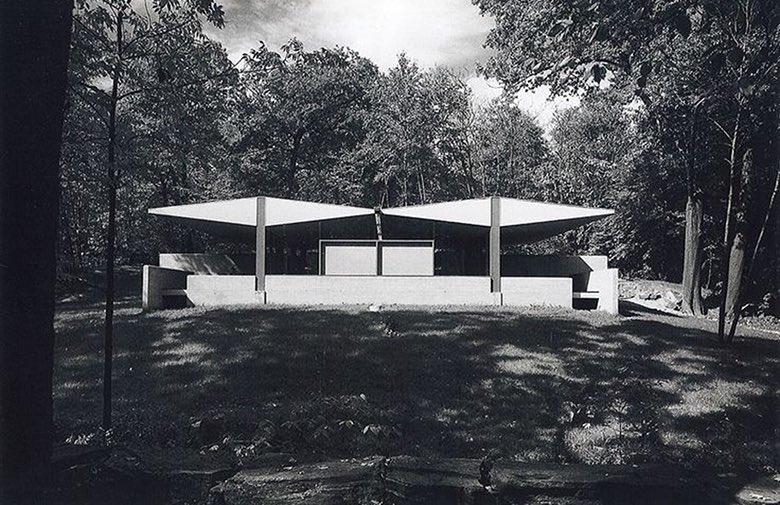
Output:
(627, 290)
(646, 293)
(407, 480)
(671, 300)
(764, 491)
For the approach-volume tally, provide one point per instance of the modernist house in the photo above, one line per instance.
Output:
(439, 254)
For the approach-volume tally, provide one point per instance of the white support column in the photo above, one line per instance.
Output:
(494, 254)
(260, 245)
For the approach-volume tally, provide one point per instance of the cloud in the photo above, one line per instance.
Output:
(430, 32)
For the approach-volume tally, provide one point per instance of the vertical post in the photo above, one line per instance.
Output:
(260, 245)
(378, 220)
(494, 254)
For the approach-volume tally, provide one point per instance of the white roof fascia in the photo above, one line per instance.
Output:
(473, 212)
(519, 212)
(243, 211)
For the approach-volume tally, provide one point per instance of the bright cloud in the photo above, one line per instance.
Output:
(430, 32)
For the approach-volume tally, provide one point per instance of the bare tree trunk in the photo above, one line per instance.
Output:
(692, 301)
(749, 275)
(34, 41)
(692, 257)
(727, 229)
(108, 340)
(292, 168)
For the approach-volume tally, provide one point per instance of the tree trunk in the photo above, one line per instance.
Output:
(727, 228)
(292, 168)
(108, 335)
(736, 267)
(692, 255)
(756, 247)
(34, 40)
(692, 301)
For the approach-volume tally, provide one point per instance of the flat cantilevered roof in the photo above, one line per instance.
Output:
(520, 220)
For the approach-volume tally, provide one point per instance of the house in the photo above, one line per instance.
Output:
(440, 254)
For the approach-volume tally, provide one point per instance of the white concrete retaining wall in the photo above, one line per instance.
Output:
(606, 283)
(155, 281)
(521, 291)
(218, 290)
(318, 290)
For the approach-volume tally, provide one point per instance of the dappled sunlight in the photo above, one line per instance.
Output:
(535, 384)
(714, 396)
(517, 361)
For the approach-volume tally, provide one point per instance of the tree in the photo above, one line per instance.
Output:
(412, 126)
(113, 43)
(34, 38)
(714, 53)
(297, 117)
(511, 151)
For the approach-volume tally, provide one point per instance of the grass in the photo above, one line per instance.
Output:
(228, 386)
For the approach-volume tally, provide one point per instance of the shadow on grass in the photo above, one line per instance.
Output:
(532, 385)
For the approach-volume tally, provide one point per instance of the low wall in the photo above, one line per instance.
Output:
(423, 290)
(216, 290)
(158, 279)
(523, 291)
(606, 283)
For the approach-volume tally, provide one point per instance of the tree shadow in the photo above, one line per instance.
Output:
(533, 385)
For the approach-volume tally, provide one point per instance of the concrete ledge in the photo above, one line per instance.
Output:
(424, 290)
(216, 290)
(524, 291)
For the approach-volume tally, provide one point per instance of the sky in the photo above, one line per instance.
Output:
(431, 32)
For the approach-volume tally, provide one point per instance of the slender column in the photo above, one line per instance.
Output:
(260, 245)
(494, 254)
(378, 219)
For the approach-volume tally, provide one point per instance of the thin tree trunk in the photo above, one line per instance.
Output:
(108, 344)
(736, 266)
(292, 168)
(749, 275)
(34, 41)
(733, 176)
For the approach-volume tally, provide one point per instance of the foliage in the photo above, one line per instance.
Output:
(295, 117)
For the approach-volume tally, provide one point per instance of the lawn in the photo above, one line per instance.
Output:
(229, 386)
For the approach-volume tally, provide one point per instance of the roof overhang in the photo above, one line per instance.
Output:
(242, 212)
(521, 221)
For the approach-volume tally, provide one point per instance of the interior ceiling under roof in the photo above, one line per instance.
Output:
(520, 220)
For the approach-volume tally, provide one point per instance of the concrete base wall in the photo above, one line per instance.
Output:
(606, 283)
(216, 290)
(522, 291)
(156, 280)
(319, 290)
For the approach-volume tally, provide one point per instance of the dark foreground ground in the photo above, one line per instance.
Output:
(196, 388)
